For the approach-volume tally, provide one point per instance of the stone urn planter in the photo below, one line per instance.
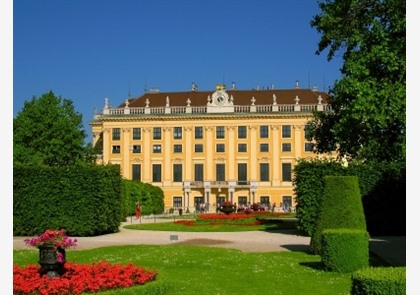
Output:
(52, 260)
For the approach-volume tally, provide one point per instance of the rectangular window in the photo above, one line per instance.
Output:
(177, 132)
(177, 148)
(220, 148)
(242, 132)
(198, 148)
(264, 147)
(116, 133)
(177, 173)
(286, 147)
(309, 146)
(116, 149)
(265, 200)
(286, 204)
(177, 202)
(198, 133)
(157, 172)
(286, 131)
(157, 148)
(220, 132)
(242, 147)
(242, 174)
(308, 132)
(198, 172)
(264, 172)
(286, 169)
(157, 133)
(263, 131)
(242, 201)
(220, 172)
(136, 172)
(136, 149)
(136, 133)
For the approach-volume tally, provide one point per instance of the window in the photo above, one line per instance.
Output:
(198, 172)
(177, 148)
(264, 131)
(264, 172)
(309, 146)
(198, 132)
(286, 204)
(116, 149)
(242, 174)
(220, 132)
(242, 132)
(136, 133)
(264, 147)
(177, 202)
(116, 133)
(286, 131)
(220, 172)
(157, 172)
(177, 173)
(157, 148)
(241, 147)
(286, 147)
(177, 132)
(136, 149)
(308, 132)
(136, 172)
(157, 133)
(198, 148)
(242, 201)
(265, 200)
(286, 169)
(220, 148)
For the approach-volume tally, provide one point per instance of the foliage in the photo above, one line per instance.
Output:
(83, 200)
(200, 270)
(379, 280)
(49, 131)
(80, 278)
(367, 120)
(341, 207)
(382, 186)
(150, 197)
(345, 250)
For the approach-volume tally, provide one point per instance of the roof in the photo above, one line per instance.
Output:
(240, 97)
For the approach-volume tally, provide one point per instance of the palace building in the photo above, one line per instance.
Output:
(205, 147)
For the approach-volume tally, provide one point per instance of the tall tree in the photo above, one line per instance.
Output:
(367, 120)
(48, 131)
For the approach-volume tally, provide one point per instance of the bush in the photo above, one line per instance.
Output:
(379, 280)
(341, 207)
(345, 250)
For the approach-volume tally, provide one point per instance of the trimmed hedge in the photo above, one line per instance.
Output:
(83, 200)
(382, 186)
(345, 250)
(341, 207)
(379, 281)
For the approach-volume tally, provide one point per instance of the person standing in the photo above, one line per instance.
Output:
(138, 210)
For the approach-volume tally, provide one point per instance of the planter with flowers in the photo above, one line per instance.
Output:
(227, 207)
(52, 245)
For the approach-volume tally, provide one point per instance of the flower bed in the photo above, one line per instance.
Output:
(79, 278)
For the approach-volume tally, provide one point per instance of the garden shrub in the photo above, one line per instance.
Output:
(83, 200)
(340, 207)
(345, 250)
(379, 280)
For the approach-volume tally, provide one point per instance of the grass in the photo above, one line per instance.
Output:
(205, 270)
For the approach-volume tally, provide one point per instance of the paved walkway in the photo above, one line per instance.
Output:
(392, 249)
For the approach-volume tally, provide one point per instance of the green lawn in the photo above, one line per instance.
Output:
(205, 270)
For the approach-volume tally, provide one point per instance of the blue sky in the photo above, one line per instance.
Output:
(86, 50)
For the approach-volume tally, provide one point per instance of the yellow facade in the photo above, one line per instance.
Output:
(208, 155)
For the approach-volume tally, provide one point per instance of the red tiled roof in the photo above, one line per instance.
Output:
(240, 97)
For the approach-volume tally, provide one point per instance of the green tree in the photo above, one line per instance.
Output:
(367, 120)
(48, 131)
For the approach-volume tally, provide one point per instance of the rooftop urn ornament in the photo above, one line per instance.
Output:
(167, 101)
(319, 99)
(253, 101)
(188, 102)
(274, 99)
(297, 99)
(147, 102)
(126, 103)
